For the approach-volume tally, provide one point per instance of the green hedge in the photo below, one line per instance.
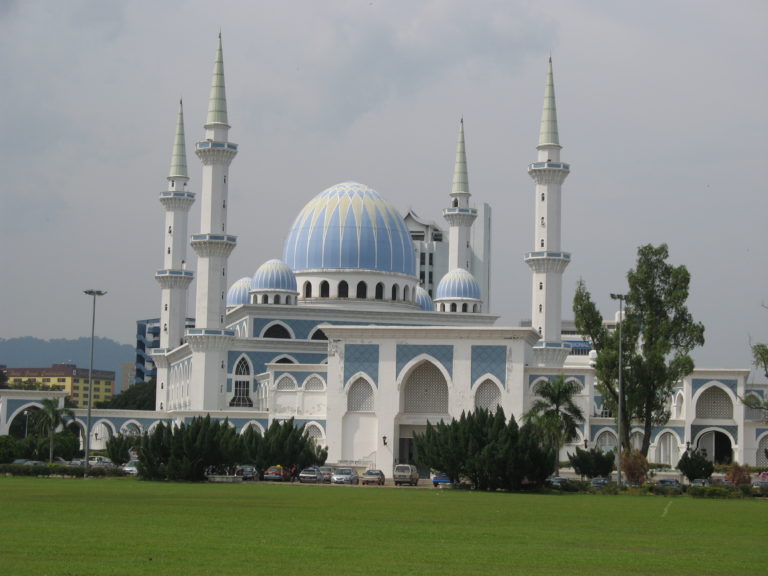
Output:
(57, 470)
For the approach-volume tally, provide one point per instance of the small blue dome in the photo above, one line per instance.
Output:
(423, 300)
(458, 284)
(238, 292)
(350, 227)
(274, 275)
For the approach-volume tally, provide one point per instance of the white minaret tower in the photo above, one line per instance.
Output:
(174, 278)
(548, 261)
(209, 339)
(460, 216)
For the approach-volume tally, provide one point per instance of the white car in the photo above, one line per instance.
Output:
(345, 476)
(132, 467)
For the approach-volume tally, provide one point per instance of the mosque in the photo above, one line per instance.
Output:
(372, 324)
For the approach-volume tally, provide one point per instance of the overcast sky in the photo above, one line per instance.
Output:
(661, 106)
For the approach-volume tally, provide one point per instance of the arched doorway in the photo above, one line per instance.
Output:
(424, 397)
(716, 447)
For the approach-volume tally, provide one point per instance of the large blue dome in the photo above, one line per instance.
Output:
(424, 300)
(274, 275)
(349, 227)
(458, 284)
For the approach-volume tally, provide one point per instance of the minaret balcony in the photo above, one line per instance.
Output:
(460, 216)
(215, 152)
(206, 144)
(174, 278)
(547, 261)
(549, 166)
(213, 244)
(472, 211)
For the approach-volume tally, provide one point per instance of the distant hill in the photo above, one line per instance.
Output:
(29, 352)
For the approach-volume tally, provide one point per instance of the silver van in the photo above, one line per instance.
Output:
(406, 474)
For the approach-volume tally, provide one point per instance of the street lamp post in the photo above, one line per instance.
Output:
(94, 294)
(621, 298)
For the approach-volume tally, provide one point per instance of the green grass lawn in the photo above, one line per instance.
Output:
(124, 526)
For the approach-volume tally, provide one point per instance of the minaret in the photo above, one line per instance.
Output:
(209, 339)
(548, 261)
(460, 216)
(174, 278)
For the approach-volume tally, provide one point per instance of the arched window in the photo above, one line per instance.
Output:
(379, 291)
(362, 290)
(762, 452)
(407, 293)
(636, 440)
(714, 403)
(325, 289)
(284, 360)
(307, 289)
(318, 335)
(286, 383)
(464, 307)
(264, 299)
(753, 413)
(666, 448)
(395, 294)
(277, 298)
(453, 307)
(426, 391)
(606, 441)
(242, 397)
(343, 289)
(487, 396)
(314, 384)
(314, 432)
(277, 331)
(475, 308)
(360, 396)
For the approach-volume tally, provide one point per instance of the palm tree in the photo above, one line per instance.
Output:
(48, 419)
(555, 413)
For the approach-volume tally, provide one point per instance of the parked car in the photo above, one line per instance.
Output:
(100, 462)
(700, 482)
(19, 461)
(277, 474)
(34, 463)
(76, 463)
(131, 467)
(311, 474)
(670, 484)
(345, 476)
(439, 478)
(557, 482)
(326, 473)
(599, 483)
(406, 474)
(373, 476)
(246, 472)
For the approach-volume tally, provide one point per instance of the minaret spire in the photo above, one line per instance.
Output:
(548, 135)
(460, 177)
(548, 260)
(179, 155)
(217, 103)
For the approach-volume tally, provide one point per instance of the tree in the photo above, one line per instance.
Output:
(695, 465)
(139, 396)
(555, 414)
(593, 462)
(49, 418)
(760, 359)
(658, 334)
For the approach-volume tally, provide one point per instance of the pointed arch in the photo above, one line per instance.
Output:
(243, 378)
(277, 329)
(325, 289)
(487, 394)
(360, 396)
(362, 290)
(379, 294)
(343, 289)
(313, 383)
(714, 402)
(286, 382)
(424, 388)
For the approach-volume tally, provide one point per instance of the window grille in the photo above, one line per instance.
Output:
(714, 403)
(285, 383)
(426, 391)
(606, 442)
(360, 396)
(314, 383)
(487, 396)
